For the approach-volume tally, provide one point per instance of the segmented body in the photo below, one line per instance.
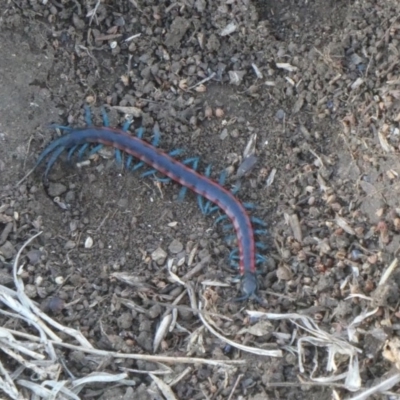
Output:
(177, 171)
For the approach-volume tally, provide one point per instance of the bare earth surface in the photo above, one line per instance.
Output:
(316, 83)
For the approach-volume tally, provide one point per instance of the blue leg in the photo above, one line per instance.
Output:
(258, 221)
(53, 159)
(260, 259)
(233, 255)
(261, 232)
(222, 178)
(234, 265)
(61, 127)
(126, 125)
(106, 121)
(261, 246)
(236, 188)
(118, 156)
(194, 161)
(200, 203)
(249, 206)
(208, 203)
(88, 116)
(220, 218)
(157, 136)
(138, 166)
(140, 132)
(176, 152)
(82, 150)
(230, 238)
(212, 209)
(71, 152)
(95, 149)
(128, 163)
(147, 173)
(227, 227)
(182, 193)
(162, 180)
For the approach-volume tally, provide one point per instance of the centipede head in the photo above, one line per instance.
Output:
(249, 287)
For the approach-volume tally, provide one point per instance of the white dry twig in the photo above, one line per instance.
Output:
(317, 337)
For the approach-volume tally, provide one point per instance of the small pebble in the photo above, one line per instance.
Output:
(56, 189)
(7, 250)
(34, 256)
(159, 256)
(175, 247)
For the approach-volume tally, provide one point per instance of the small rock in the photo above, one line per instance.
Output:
(6, 231)
(145, 341)
(280, 115)
(34, 256)
(125, 321)
(123, 203)
(154, 311)
(7, 250)
(56, 189)
(70, 196)
(159, 256)
(88, 243)
(30, 291)
(69, 245)
(175, 247)
(53, 304)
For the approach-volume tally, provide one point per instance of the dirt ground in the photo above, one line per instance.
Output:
(316, 82)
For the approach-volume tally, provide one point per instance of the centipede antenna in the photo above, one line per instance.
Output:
(88, 116)
(49, 149)
(57, 152)
(106, 120)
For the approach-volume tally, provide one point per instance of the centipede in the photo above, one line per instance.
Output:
(137, 153)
